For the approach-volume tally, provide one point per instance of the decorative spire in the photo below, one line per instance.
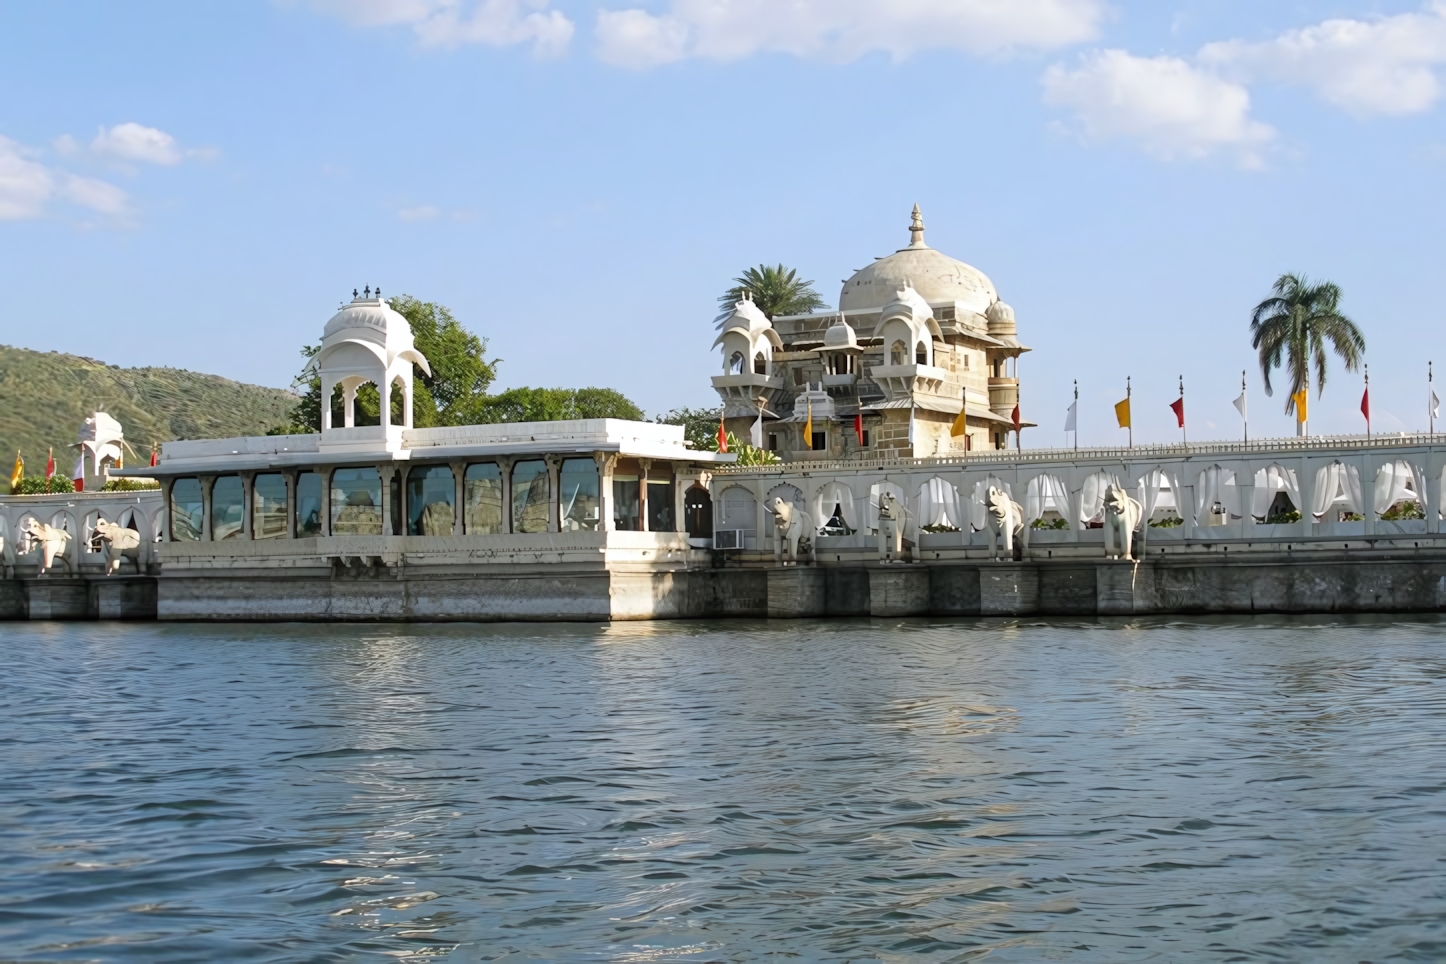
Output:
(368, 291)
(916, 230)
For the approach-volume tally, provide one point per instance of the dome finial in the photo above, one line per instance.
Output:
(916, 230)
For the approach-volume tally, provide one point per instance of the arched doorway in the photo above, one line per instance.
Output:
(698, 513)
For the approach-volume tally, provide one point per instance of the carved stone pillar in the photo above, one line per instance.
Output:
(207, 481)
(459, 473)
(554, 493)
(643, 466)
(386, 471)
(168, 534)
(1369, 466)
(324, 473)
(504, 468)
(248, 507)
(290, 476)
(606, 463)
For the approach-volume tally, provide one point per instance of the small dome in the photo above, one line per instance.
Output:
(839, 336)
(746, 315)
(936, 276)
(370, 319)
(1000, 314)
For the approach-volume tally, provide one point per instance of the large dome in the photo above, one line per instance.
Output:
(933, 274)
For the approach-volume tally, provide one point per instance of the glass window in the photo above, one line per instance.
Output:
(187, 510)
(431, 492)
(308, 505)
(228, 504)
(529, 496)
(625, 503)
(579, 506)
(660, 506)
(356, 502)
(819, 442)
(482, 499)
(268, 506)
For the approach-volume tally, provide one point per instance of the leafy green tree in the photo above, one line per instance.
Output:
(747, 454)
(554, 404)
(700, 425)
(776, 291)
(1295, 324)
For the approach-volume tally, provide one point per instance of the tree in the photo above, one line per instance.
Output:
(1297, 322)
(554, 404)
(700, 425)
(776, 291)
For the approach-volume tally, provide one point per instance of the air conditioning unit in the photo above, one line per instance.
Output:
(728, 538)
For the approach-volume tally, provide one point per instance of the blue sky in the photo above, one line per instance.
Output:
(200, 185)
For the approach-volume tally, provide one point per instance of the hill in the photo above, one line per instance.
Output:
(45, 396)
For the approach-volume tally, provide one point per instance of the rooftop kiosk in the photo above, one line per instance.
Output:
(584, 519)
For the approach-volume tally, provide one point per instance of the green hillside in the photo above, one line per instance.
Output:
(45, 396)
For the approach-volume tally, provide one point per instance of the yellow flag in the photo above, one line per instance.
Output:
(1300, 398)
(1122, 413)
(961, 424)
(808, 426)
(17, 473)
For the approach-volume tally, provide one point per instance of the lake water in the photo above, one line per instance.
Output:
(1212, 790)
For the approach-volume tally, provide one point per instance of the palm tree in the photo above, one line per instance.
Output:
(776, 291)
(1297, 322)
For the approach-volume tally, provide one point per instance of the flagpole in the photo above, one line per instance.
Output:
(1366, 402)
(1076, 414)
(1243, 417)
(1430, 394)
(1132, 415)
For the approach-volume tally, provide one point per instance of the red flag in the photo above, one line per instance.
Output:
(154, 458)
(722, 438)
(78, 476)
(859, 428)
(50, 465)
(1178, 407)
(1366, 404)
(1015, 416)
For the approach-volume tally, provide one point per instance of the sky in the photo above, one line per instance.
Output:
(201, 185)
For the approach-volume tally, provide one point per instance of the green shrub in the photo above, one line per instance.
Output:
(1052, 524)
(130, 485)
(1169, 522)
(1403, 510)
(40, 485)
(1283, 518)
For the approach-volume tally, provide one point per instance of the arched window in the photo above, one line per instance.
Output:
(579, 508)
(431, 492)
(921, 354)
(735, 363)
(760, 364)
(268, 506)
(897, 353)
(698, 512)
(356, 502)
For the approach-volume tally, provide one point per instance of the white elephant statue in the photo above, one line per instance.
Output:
(118, 543)
(52, 542)
(891, 528)
(791, 526)
(1122, 517)
(1006, 522)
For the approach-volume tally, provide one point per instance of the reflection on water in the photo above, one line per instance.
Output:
(1212, 789)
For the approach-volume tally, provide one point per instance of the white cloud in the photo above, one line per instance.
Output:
(445, 23)
(27, 186)
(1173, 109)
(839, 30)
(1382, 66)
(133, 142)
(424, 212)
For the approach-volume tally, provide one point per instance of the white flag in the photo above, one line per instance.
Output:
(911, 426)
(756, 435)
(1435, 405)
(1239, 404)
(1069, 419)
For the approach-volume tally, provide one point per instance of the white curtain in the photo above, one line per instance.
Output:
(1270, 480)
(1396, 481)
(876, 492)
(939, 504)
(1045, 492)
(978, 511)
(1216, 485)
(835, 494)
(1336, 484)
(1150, 487)
(1092, 495)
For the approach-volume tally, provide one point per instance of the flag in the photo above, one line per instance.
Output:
(1178, 407)
(1300, 399)
(1239, 404)
(859, 428)
(961, 424)
(808, 426)
(756, 435)
(1122, 413)
(911, 426)
(1435, 405)
(722, 437)
(50, 465)
(1014, 416)
(154, 457)
(17, 473)
(1366, 404)
(78, 476)
(1070, 417)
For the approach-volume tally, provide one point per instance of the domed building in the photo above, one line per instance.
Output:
(917, 338)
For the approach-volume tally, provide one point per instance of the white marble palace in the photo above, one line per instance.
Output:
(918, 336)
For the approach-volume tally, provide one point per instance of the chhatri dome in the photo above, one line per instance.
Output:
(933, 274)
